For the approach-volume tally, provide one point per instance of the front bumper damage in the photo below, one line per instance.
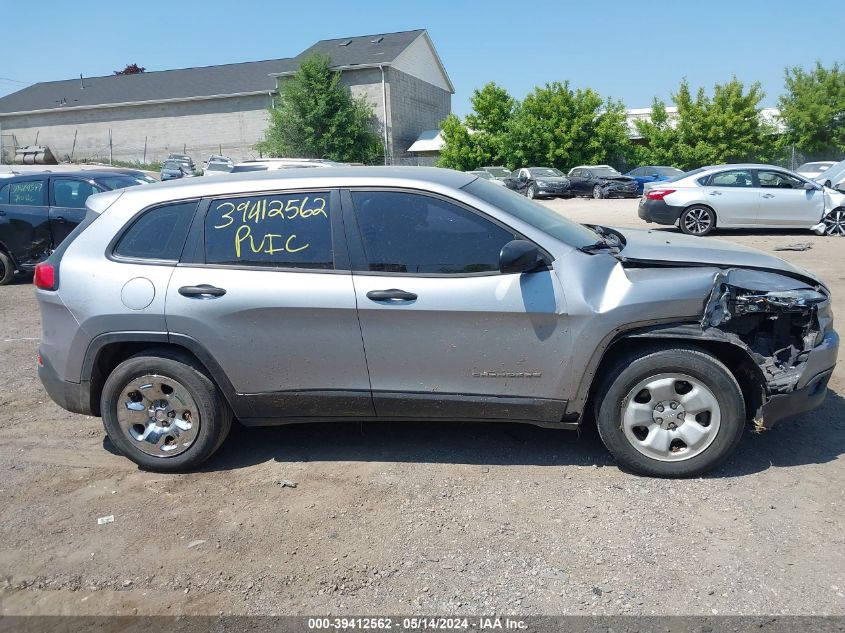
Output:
(786, 326)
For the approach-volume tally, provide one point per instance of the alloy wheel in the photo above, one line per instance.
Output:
(158, 415)
(697, 221)
(597, 193)
(531, 193)
(834, 223)
(670, 417)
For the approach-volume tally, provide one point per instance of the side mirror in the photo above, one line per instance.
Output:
(810, 186)
(519, 256)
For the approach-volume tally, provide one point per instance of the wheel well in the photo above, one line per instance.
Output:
(744, 369)
(111, 355)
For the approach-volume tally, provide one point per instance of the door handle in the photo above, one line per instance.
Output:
(393, 294)
(714, 193)
(768, 195)
(203, 290)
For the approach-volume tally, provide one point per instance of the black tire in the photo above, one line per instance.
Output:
(215, 416)
(834, 222)
(7, 269)
(598, 192)
(531, 192)
(697, 220)
(631, 370)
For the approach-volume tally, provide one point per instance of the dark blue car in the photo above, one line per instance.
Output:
(652, 173)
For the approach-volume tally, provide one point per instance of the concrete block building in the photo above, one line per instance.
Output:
(224, 109)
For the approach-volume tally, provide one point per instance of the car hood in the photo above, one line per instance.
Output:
(622, 179)
(662, 248)
(560, 179)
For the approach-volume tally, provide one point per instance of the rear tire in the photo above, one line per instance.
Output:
(671, 412)
(698, 220)
(194, 418)
(7, 269)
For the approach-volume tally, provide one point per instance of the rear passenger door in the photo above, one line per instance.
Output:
(732, 195)
(24, 221)
(266, 290)
(67, 204)
(446, 334)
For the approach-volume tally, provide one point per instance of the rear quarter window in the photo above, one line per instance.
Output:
(158, 234)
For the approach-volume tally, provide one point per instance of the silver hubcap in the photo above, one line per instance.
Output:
(697, 220)
(670, 417)
(531, 192)
(596, 192)
(834, 223)
(158, 415)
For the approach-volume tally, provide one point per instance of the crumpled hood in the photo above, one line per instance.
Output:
(660, 247)
(619, 179)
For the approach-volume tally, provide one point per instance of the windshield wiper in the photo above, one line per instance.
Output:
(601, 245)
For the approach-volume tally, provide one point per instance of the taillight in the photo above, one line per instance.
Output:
(45, 276)
(658, 194)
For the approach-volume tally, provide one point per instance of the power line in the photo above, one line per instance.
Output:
(15, 81)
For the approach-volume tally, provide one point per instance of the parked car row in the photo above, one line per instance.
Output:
(37, 212)
(591, 181)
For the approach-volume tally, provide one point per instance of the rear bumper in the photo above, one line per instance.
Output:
(659, 212)
(73, 396)
(811, 389)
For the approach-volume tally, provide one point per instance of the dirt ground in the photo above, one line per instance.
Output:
(417, 518)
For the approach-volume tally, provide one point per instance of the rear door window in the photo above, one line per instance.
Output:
(732, 178)
(30, 193)
(284, 230)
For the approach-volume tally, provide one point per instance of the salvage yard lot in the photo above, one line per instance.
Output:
(413, 517)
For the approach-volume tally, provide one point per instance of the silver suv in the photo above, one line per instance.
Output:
(423, 294)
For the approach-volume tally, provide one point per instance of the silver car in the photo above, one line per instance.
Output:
(373, 293)
(742, 197)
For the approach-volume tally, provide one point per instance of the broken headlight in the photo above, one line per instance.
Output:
(779, 301)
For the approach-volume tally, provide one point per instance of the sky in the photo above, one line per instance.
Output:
(631, 51)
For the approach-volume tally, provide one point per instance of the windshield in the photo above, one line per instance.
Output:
(668, 172)
(684, 174)
(814, 167)
(119, 182)
(533, 213)
(544, 171)
(172, 164)
(605, 172)
(498, 172)
(482, 174)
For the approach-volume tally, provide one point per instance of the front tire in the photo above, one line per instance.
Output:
(698, 220)
(531, 192)
(834, 223)
(7, 269)
(163, 413)
(671, 412)
(598, 192)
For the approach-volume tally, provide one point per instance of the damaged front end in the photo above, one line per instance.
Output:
(779, 320)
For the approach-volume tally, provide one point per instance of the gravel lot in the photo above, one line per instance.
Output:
(417, 518)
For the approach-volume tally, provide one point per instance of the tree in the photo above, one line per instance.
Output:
(813, 109)
(478, 141)
(131, 69)
(726, 128)
(316, 116)
(560, 127)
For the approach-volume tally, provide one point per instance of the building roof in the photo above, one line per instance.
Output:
(202, 82)
(363, 50)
